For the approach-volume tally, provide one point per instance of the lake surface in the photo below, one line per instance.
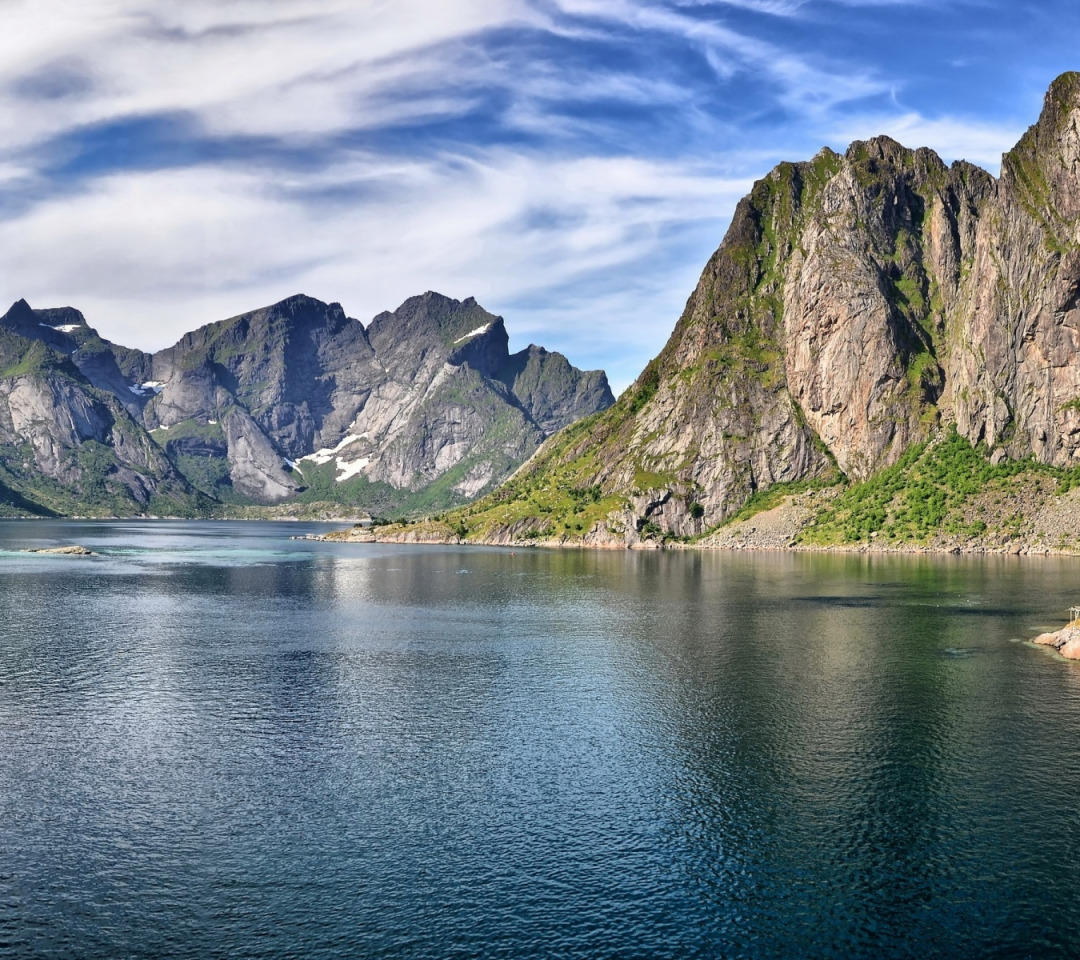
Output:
(219, 742)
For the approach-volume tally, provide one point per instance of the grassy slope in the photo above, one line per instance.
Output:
(944, 489)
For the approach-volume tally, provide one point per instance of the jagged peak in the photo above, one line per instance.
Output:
(433, 296)
(29, 322)
(20, 308)
(1039, 169)
(298, 307)
(884, 149)
(1062, 100)
(61, 316)
(1064, 91)
(301, 303)
(881, 147)
(434, 314)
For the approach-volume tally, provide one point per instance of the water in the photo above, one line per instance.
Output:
(218, 742)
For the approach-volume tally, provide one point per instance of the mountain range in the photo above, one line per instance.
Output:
(883, 349)
(293, 404)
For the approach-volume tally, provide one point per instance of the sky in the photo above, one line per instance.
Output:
(572, 164)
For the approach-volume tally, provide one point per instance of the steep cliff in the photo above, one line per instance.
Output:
(858, 306)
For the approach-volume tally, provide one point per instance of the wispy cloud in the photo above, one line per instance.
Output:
(286, 68)
(201, 243)
(571, 163)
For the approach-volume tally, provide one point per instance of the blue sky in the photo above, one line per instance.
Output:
(570, 163)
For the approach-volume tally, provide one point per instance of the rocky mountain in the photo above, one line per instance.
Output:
(860, 305)
(293, 402)
(66, 446)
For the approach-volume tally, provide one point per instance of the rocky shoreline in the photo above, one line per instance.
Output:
(730, 543)
(1026, 522)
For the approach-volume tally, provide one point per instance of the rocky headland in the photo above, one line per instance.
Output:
(881, 355)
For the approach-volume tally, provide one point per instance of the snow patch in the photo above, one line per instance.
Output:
(350, 469)
(329, 453)
(64, 327)
(151, 386)
(474, 333)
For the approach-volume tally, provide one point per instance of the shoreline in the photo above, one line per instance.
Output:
(980, 550)
(726, 539)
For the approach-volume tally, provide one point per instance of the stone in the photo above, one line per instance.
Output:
(1065, 641)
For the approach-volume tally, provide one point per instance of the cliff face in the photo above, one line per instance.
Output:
(67, 447)
(857, 304)
(293, 400)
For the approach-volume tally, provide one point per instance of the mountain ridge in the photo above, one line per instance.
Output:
(291, 403)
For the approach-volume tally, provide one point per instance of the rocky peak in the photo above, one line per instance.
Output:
(435, 329)
(292, 398)
(858, 305)
(61, 317)
(432, 318)
(1043, 170)
(41, 324)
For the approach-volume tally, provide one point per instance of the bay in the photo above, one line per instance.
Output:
(216, 741)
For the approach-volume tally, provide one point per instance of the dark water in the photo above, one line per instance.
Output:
(217, 742)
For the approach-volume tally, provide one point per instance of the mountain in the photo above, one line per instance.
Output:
(861, 309)
(294, 402)
(66, 446)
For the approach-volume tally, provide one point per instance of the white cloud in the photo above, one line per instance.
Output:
(151, 255)
(593, 250)
(284, 68)
(802, 85)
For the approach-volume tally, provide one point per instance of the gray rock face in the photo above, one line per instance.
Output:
(297, 393)
(66, 446)
(444, 405)
(857, 304)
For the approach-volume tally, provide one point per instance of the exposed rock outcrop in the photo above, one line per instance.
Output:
(1065, 641)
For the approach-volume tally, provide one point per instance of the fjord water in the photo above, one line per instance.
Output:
(219, 742)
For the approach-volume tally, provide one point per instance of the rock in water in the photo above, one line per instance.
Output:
(1066, 641)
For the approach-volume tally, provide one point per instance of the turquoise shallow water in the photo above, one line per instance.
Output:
(219, 742)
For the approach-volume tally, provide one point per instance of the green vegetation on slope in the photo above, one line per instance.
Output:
(934, 490)
(553, 496)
